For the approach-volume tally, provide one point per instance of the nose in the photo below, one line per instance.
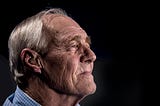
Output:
(88, 56)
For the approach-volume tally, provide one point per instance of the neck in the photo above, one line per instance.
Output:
(45, 96)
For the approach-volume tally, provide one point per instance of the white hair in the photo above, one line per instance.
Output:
(28, 34)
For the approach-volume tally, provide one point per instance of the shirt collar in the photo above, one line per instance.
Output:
(22, 98)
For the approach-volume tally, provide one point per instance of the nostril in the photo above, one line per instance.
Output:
(88, 61)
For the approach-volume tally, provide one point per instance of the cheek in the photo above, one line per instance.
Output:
(69, 73)
(71, 68)
(62, 71)
(54, 67)
(57, 62)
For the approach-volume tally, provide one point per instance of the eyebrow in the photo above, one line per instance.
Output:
(78, 38)
(88, 39)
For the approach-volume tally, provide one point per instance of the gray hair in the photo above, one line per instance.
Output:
(28, 34)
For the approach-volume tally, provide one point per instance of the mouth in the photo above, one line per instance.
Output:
(86, 73)
(86, 70)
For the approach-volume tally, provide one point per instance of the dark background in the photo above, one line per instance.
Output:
(117, 33)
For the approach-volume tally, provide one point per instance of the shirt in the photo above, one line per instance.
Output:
(20, 98)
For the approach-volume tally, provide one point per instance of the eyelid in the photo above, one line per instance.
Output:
(74, 43)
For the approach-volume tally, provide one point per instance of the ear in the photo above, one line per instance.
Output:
(32, 59)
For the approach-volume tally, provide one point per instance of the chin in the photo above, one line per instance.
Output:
(85, 84)
(92, 89)
(88, 89)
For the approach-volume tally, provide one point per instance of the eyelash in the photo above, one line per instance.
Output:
(75, 46)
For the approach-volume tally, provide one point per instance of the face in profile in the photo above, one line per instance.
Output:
(68, 65)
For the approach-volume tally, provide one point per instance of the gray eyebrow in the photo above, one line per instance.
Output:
(78, 38)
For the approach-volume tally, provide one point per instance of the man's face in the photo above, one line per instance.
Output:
(69, 64)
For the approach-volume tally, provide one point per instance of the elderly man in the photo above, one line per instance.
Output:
(51, 61)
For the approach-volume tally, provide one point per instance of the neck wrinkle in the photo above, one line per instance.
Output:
(46, 96)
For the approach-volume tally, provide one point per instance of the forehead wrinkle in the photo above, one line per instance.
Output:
(71, 30)
(59, 21)
(70, 33)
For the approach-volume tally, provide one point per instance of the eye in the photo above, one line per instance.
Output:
(73, 46)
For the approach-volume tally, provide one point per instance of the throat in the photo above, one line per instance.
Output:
(46, 96)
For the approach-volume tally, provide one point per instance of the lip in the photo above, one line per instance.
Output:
(86, 73)
(86, 69)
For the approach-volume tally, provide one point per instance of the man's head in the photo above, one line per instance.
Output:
(52, 47)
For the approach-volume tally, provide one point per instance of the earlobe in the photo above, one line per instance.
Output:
(31, 59)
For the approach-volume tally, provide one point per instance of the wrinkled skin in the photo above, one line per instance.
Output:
(63, 76)
(68, 65)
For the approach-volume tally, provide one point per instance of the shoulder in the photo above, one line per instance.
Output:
(9, 101)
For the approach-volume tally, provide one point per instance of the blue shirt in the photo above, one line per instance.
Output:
(20, 98)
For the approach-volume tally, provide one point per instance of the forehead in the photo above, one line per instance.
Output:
(64, 26)
(58, 22)
(72, 32)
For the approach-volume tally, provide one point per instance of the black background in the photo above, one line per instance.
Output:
(117, 33)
